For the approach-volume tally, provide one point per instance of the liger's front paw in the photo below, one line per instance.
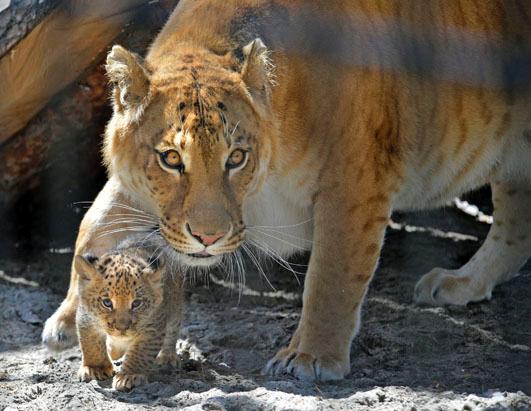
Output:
(306, 366)
(125, 382)
(447, 287)
(87, 373)
(167, 358)
(59, 332)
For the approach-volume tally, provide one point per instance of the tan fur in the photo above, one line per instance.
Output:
(137, 334)
(362, 121)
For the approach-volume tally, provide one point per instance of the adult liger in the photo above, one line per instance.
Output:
(304, 124)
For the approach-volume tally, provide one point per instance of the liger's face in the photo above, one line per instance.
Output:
(199, 160)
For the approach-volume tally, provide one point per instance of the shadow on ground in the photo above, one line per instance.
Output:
(406, 357)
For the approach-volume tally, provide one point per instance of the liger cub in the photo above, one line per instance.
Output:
(129, 308)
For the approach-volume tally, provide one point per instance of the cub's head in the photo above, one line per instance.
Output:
(120, 290)
(189, 140)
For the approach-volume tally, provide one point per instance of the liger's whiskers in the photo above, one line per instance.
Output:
(123, 229)
(125, 221)
(238, 258)
(116, 205)
(135, 214)
(271, 252)
(282, 240)
(146, 238)
(257, 264)
(280, 260)
(282, 226)
(268, 230)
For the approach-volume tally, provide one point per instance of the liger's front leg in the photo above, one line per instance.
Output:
(349, 223)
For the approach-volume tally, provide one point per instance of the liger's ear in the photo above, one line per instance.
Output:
(85, 266)
(257, 69)
(130, 78)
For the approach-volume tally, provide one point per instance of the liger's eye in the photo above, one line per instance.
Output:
(135, 304)
(172, 159)
(236, 158)
(107, 303)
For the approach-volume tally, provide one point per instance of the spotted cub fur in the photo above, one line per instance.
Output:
(130, 307)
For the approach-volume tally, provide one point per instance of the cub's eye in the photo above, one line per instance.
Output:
(172, 159)
(107, 303)
(236, 158)
(135, 304)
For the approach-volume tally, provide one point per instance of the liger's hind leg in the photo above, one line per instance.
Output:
(505, 250)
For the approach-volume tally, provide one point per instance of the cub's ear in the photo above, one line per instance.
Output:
(155, 262)
(84, 266)
(257, 70)
(130, 78)
(154, 277)
(154, 274)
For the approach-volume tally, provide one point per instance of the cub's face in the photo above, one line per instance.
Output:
(119, 290)
(192, 149)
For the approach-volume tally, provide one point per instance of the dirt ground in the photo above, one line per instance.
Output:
(405, 358)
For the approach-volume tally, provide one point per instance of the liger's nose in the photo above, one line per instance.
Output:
(205, 238)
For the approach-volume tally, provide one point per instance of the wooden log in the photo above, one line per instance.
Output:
(57, 153)
(55, 53)
(19, 17)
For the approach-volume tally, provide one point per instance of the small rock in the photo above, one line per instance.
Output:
(39, 377)
(49, 360)
(212, 406)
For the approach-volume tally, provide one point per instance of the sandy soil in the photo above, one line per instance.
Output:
(405, 358)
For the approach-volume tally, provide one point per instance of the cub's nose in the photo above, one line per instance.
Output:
(123, 325)
(205, 238)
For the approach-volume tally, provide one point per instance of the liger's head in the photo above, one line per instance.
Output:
(188, 140)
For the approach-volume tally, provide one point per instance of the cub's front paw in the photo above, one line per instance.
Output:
(87, 373)
(125, 382)
(306, 366)
(167, 358)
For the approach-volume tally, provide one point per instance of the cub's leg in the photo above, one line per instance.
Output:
(138, 361)
(349, 230)
(167, 354)
(505, 250)
(60, 329)
(95, 363)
